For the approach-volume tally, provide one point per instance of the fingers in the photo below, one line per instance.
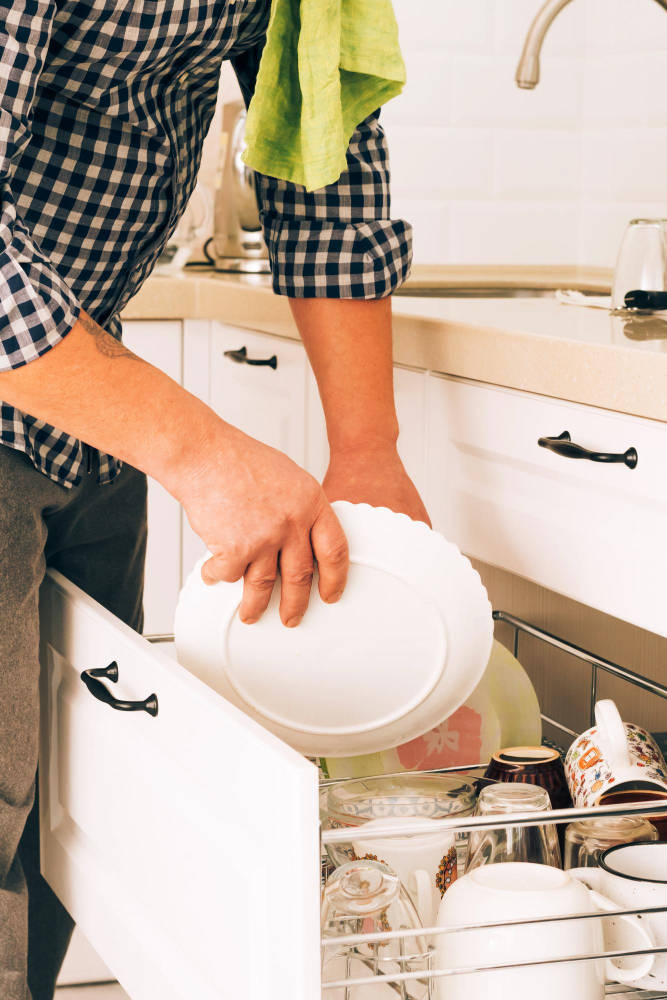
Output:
(325, 543)
(258, 584)
(229, 568)
(296, 578)
(331, 551)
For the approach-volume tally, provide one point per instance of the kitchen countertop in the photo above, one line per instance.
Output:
(535, 344)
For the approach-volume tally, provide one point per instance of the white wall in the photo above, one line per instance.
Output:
(488, 173)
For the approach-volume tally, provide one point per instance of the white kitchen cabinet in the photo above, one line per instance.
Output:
(267, 401)
(161, 344)
(410, 391)
(184, 844)
(594, 532)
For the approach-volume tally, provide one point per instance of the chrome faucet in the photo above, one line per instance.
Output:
(528, 70)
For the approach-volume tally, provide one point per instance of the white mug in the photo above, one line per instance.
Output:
(634, 876)
(611, 756)
(425, 864)
(513, 891)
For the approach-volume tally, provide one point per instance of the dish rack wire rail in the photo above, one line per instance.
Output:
(401, 982)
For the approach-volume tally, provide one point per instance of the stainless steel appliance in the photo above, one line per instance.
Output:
(238, 242)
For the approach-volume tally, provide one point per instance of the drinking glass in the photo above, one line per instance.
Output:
(587, 839)
(642, 260)
(365, 898)
(536, 844)
(352, 803)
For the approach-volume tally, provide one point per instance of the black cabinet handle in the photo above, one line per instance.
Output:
(241, 358)
(102, 693)
(563, 445)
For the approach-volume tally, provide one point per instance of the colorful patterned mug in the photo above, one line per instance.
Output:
(613, 756)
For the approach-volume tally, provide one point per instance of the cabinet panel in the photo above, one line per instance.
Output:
(410, 393)
(159, 835)
(596, 533)
(161, 344)
(267, 403)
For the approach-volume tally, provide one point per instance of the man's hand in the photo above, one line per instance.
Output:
(254, 508)
(257, 511)
(375, 476)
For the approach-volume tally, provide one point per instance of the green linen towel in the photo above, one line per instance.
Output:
(326, 66)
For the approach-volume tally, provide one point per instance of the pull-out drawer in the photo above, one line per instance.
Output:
(594, 532)
(184, 844)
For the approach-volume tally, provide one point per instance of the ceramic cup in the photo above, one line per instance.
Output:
(426, 864)
(614, 756)
(515, 891)
(534, 766)
(633, 876)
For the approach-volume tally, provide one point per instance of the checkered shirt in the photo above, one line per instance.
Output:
(104, 107)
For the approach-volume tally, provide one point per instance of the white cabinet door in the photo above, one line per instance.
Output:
(410, 393)
(267, 401)
(184, 845)
(594, 532)
(161, 344)
(82, 963)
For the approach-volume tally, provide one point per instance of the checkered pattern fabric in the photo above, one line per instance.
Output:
(103, 111)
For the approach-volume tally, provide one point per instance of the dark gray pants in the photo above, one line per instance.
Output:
(96, 536)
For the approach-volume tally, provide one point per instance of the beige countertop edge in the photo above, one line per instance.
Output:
(610, 377)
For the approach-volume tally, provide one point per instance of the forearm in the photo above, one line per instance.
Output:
(350, 349)
(95, 389)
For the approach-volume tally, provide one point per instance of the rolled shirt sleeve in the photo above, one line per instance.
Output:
(37, 308)
(338, 241)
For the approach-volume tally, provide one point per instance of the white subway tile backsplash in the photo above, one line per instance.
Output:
(614, 90)
(446, 25)
(550, 175)
(515, 233)
(603, 226)
(652, 99)
(625, 164)
(537, 165)
(484, 93)
(636, 26)
(427, 96)
(431, 224)
(442, 162)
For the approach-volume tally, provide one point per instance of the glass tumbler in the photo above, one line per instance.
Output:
(586, 839)
(642, 264)
(353, 802)
(536, 844)
(366, 898)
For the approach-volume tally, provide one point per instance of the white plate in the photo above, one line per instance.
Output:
(404, 647)
(502, 711)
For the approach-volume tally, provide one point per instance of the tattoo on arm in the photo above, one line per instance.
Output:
(105, 343)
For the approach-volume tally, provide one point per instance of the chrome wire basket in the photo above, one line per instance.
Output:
(400, 982)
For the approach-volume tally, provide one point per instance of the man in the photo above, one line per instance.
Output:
(103, 110)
